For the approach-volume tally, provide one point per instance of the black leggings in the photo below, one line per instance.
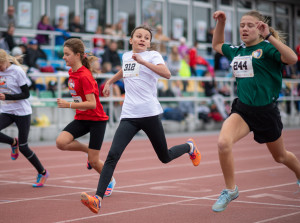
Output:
(23, 125)
(127, 129)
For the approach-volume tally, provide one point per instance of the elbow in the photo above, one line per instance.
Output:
(168, 75)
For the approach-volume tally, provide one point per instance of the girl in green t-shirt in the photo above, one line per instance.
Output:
(257, 65)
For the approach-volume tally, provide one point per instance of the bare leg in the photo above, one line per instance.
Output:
(281, 155)
(233, 129)
(65, 141)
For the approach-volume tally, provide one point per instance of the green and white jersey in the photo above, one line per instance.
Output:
(258, 72)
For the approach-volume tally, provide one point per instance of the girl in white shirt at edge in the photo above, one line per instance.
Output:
(15, 108)
(141, 111)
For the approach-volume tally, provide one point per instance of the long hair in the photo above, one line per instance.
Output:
(77, 46)
(5, 57)
(277, 34)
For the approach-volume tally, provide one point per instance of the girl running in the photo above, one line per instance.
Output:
(90, 116)
(141, 109)
(15, 108)
(257, 65)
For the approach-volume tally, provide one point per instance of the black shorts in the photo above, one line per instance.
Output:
(264, 121)
(78, 128)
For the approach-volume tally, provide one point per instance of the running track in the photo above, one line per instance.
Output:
(148, 191)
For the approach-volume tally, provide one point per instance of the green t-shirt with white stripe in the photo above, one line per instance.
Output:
(258, 72)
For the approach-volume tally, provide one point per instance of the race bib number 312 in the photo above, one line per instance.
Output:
(131, 69)
(242, 66)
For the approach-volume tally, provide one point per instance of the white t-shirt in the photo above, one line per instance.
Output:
(140, 86)
(10, 82)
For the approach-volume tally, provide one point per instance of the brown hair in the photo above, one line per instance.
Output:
(4, 57)
(277, 34)
(142, 27)
(77, 46)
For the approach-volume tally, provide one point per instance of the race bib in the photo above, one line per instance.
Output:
(77, 99)
(130, 69)
(242, 66)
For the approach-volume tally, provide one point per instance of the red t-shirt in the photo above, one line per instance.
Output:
(81, 83)
(298, 52)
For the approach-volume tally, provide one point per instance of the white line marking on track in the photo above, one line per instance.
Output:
(279, 217)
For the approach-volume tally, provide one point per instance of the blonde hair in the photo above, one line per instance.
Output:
(92, 60)
(5, 57)
(277, 34)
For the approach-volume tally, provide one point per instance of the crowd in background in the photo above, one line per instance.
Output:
(182, 60)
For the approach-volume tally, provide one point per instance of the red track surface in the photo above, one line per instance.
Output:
(149, 191)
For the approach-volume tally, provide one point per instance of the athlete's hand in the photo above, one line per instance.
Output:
(61, 103)
(263, 28)
(2, 96)
(219, 16)
(137, 58)
(106, 89)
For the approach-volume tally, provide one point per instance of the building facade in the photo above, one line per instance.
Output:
(189, 18)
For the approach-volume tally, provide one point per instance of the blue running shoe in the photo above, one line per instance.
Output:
(224, 199)
(110, 187)
(298, 183)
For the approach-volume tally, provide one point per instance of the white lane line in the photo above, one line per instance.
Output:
(125, 211)
(279, 217)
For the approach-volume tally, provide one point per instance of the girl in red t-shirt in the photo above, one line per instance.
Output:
(90, 116)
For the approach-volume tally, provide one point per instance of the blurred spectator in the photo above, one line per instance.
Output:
(159, 36)
(43, 25)
(98, 43)
(33, 53)
(75, 25)
(111, 55)
(183, 48)
(173, 61)
(211, 90)
(222, 65)
(8, 18)
(59, 40)
(193, 58)
(8, 38)
(119, 32)
(209, 36)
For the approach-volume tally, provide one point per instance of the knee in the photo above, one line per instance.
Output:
(164, 160)
(279, 158)
(61, 144)
(224, 145)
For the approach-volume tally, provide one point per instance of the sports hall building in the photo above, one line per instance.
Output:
(189, 18)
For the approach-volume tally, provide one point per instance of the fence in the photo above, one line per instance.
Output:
(44, 99)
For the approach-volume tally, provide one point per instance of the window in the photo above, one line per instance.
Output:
(26, 11)
(100, 6)
(202, 16)
(125, 12)
(152, 13)
(244, 4)
(177, 21)
(62, 8)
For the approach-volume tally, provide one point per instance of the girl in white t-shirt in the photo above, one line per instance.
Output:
(15, 108)
(141, 111)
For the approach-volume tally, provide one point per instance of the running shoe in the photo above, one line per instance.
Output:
(298, 183)
(88, 165)
(41, 179)
(110, 187)
(92, 202)
(224, 199)
(195, 155)
(15, 150)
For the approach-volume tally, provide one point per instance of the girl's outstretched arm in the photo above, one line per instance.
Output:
(218, 35)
